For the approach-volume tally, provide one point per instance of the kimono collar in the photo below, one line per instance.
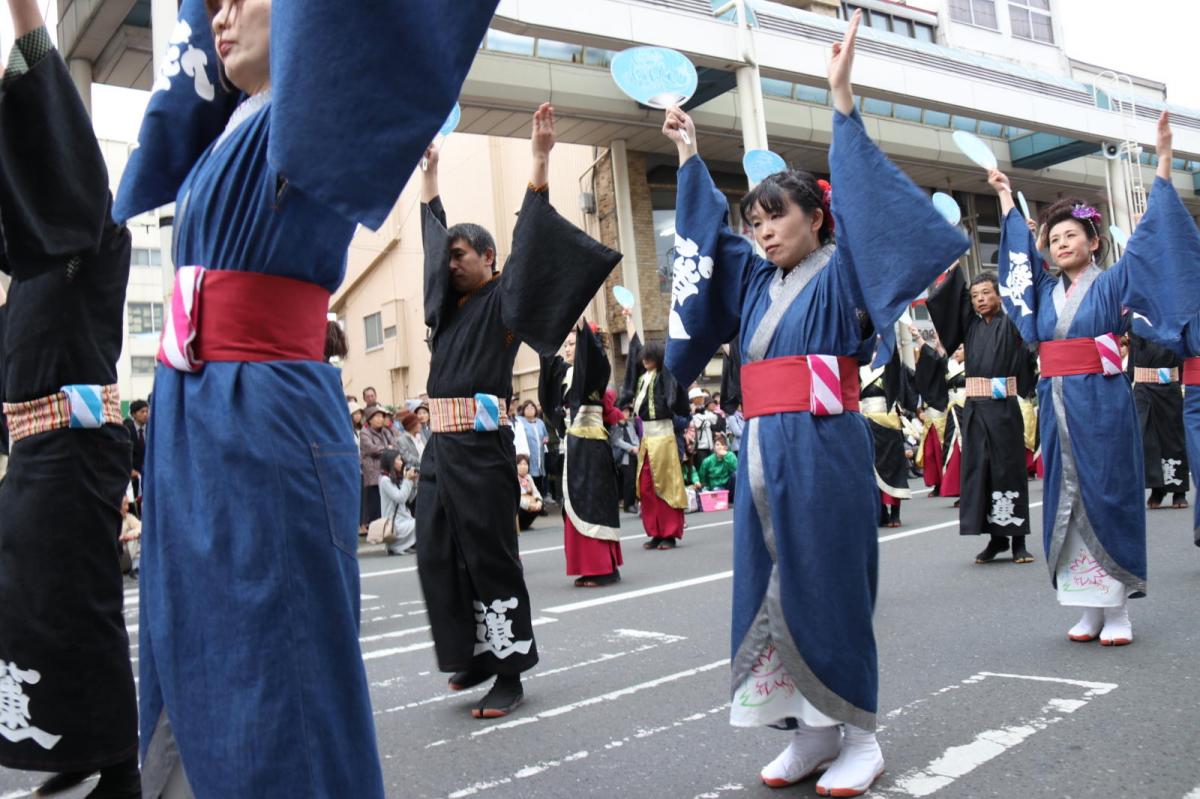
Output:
(463, 299)
(246, 109)
(646, 387)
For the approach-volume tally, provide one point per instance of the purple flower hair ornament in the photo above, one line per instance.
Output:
(1086, 212)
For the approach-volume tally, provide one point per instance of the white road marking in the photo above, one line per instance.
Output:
(931, 528)
(640, 592)
(1193, 794)
(400, 650)
(662, 638)
(611, 696)
(958, 761)
(546, 765)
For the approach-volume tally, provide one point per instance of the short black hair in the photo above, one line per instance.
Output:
(801, 187)
(986, 276)
(477, 238)
(387, 460)
(137, 405)
(655, 352)
(370, 388)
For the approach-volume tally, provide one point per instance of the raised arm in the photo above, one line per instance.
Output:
(1021, 274)
(841, 63)
(712, 267)
(435, 240)
(26, 16)
(429, 173)
(541, 142)
(949, 306)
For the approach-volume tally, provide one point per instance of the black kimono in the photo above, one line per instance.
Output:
(1160, 415)
(883, 391)
(995, 480)
(67, 698)
(467, 553)
(572, 397)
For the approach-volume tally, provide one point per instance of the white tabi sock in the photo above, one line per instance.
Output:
(1088, 626)
(1118, 630)
(811, 749)
(856, 768)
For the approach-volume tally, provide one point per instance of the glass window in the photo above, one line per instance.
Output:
(1031, 20)
(141, 256)
(560, 51)
(142, 364)
(902, 27)
(878, 107)
(963, 123)
(974, 12)
(595, 57)
(373, 331)
(909, 113)
(145, 317)
(502, 42)
(880, 21)
(990, 129)
(811, 94)
(389, 332)
(937, 118)
(776, 88)
(923, 33)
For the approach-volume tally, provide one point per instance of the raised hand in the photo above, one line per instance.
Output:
(679, 128)
(1163, 146)
(429, 167)
(541, 141)
(841, 63)
(999, 181)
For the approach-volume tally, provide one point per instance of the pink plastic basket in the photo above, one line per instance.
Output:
(714, 500)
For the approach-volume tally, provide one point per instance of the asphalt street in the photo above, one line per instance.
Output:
(982, 695)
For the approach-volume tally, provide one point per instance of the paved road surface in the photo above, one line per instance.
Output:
(981, 693)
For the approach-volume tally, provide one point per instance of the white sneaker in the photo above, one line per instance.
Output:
(1118, 630)
(811, 750)
(1088, 627)
(856, 768)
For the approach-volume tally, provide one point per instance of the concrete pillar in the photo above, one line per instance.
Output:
(1120, 213)
(625, 230)
(750, 108)
(81, 76)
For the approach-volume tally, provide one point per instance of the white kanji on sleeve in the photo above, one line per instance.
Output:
(14, 707)
(183, 57)
(1020, 277)
(690, 268)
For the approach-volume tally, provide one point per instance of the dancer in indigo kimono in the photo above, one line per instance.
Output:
(1154, 370)
(805, 536)
(252, 680)
(995, 484)
(1094, 526)
(67, 701)
(467, 554)
(574, 389)
(658, 400)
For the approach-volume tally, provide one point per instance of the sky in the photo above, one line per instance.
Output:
(1146, 38)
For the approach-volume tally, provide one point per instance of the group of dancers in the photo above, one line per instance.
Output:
(249, 607)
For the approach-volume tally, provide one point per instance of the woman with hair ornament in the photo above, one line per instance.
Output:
(1094, 526)
(805, 542)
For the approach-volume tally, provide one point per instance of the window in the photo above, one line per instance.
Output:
(811, 94)
(974, 12)
(389, 332)
(595, 57)
(373, 331)
(142, 256)
(560, 51)
(776, 88)
(880, 108)
(142, 364)
(923, 33)
(502, 42)
(145, 317)
(881, 20)
(1031, 20)
(908, 113)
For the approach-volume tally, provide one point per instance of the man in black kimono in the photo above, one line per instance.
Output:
(467, 553)
(66, 687)
(995, 483)
(1154, 370)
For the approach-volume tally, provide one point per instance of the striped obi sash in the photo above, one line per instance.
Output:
(823, 385)
(992, 387)
(221, 315)
(81, 407)
(1081, 356)
(482, 413)
(1163, 376)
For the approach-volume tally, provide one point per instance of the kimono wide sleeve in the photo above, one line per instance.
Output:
(435, 240)
(950, 309)
(550, 390)
(54, 197)
(711, 269)
(1022, 276)
(633, 371)
(360, 89)
(554, 270)
(930, 378)
(888, 233)
(1159, 274)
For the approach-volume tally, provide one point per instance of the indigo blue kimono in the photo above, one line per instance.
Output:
(1089, 430)
(805, 547)
(250, 583)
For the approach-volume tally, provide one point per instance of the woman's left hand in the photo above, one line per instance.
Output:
(1164, 147)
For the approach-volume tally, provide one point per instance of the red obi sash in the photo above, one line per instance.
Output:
(818, 384)
(1191, 372)
(1081, 356)
(218, 315)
